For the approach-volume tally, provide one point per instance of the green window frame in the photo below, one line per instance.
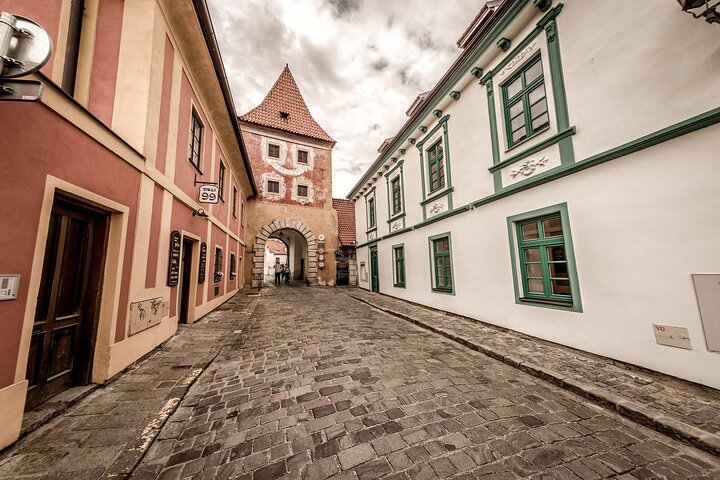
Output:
(441, 263)
(196, 129)
(399, 260)
(525, 103)
(544, 267)
(436, 166)
(371, 212)
(396, 195)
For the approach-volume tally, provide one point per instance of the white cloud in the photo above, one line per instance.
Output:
(358, 63)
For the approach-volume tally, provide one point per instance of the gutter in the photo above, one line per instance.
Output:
(77, 10)
(203, 16)
(431, 96)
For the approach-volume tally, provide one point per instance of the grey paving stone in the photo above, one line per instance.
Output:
(355, 456)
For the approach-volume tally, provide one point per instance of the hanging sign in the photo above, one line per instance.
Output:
(209, 194)
(174, 261)
(203, 262)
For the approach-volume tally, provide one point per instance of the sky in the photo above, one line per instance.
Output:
(358, 63)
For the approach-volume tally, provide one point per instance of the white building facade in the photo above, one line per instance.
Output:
(561, 180)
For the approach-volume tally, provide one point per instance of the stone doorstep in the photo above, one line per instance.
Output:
(629, 409)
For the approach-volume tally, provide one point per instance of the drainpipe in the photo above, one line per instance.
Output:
(72, 51)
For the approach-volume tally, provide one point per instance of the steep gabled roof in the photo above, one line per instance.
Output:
(346, 221)
(284, 108)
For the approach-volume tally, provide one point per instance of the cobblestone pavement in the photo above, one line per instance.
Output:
(107, 432)
(319, 385)
(688, 411)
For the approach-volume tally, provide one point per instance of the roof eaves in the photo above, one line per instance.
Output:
(203, 15)
(429, 100)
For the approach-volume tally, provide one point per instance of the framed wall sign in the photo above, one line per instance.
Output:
(174, 262)
(203, 262)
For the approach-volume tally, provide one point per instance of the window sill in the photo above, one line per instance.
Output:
(373, 229)
(533, 149)
(526, 140)
(397, 216)
(399, 285)
(197, 169)
(555, 303)
(446, 291)
(437, 194)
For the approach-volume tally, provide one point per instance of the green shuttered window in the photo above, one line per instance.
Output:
(396, 196)
(442, 264)
(543, 259)
(399, 258)
(436, 166)
(525, 103)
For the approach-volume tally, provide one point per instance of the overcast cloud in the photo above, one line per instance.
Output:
(359, 63)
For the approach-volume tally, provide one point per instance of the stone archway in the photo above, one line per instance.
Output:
(259, 249)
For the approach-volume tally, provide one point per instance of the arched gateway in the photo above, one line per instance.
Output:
(267, 231)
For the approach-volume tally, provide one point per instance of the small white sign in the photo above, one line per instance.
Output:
(209, 194)
(672, 336)
(9, 285)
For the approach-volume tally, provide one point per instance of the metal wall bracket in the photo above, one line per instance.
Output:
(21, 90)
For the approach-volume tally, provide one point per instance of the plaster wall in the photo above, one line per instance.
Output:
(623, 66)
(629, 280)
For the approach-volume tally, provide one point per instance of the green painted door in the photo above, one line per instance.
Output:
(374, 275)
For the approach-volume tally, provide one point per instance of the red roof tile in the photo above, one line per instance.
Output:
(275, 246)
(346, 220)
(284, 108)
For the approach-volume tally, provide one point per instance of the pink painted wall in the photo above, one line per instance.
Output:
(156, 219)
(45, 13)
(105, 59)
(165, 106)
(51, 147)
(184, 170)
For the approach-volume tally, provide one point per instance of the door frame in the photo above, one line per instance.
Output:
(193, 279)
(93, 277)
(374, 270)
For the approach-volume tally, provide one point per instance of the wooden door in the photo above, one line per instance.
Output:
(185, 277)
(63, 339)
(374, 274)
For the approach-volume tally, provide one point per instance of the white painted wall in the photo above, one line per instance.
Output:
(641, 224)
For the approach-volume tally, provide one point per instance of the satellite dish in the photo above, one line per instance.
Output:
(30, 46)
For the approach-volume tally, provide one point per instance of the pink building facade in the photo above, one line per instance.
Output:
(101, 220)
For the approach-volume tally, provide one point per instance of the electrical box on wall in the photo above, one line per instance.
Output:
(707, 289)
(9, 285)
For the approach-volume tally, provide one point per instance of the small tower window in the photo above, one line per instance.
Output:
(284, 115)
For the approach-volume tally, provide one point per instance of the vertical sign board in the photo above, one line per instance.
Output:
(174, 262)
(203, 262)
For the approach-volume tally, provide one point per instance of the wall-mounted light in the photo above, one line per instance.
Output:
(200, 212)
(708, 12)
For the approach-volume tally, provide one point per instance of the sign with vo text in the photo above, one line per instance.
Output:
(209, 194)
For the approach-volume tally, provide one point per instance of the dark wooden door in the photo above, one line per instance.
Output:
(185, 283)
(63, 339)
(374, 274)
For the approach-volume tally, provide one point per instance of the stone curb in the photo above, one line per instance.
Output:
(634, 411)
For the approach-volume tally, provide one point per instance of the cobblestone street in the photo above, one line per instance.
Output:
(311, 383)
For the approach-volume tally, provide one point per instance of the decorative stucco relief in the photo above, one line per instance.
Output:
(518, 59)
(283, 164)
(395, 225)
(527, 167)
(437, 207)
(372, 235)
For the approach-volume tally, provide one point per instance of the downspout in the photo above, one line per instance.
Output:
(72, 50)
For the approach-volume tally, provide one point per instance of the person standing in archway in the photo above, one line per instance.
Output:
(278, 270)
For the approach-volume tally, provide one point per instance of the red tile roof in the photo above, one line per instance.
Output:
(284, 108)
(346, 220)
(275, 246)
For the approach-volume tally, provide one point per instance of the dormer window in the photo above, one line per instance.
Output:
(284, 115)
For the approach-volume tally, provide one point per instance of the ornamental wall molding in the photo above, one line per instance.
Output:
(518, 59)
(437, 207)
(527, 167)
(395, 225)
